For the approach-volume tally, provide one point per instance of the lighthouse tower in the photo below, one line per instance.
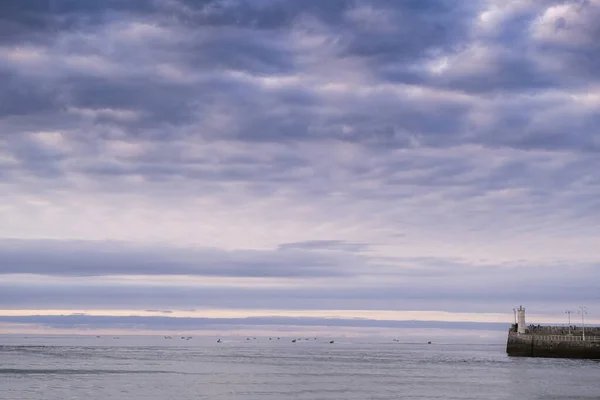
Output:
(521, 320)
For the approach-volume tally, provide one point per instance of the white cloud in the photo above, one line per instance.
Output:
(569, 24)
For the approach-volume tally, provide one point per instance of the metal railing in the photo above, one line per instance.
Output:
(561, 338)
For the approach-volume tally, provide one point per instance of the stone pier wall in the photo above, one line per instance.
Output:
(552, 346)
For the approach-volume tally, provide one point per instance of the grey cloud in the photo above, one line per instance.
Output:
(325, 245)
(244, 43)
(156, 102)
(416, 28)
(39, 160)
(232, 49)
(96, 259)
(402, 284)
(164, 167)
(265, 14)
(38, 20)
(423, 295)
(579, 51)
(21, 98)
(253, 52)
(520, 62)
(511, 72)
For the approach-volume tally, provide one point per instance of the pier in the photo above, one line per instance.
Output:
(552, 341)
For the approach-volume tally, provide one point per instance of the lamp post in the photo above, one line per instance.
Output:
(582, 311)
(568, 312)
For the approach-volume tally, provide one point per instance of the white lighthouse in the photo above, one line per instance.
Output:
(521, 320)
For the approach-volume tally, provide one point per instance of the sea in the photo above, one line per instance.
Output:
(262, 368)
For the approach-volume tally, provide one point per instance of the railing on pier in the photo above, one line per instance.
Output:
(561, 338)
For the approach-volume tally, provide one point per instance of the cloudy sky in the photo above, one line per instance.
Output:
(297, 162)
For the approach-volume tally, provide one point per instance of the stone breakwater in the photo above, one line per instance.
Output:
(554, 342)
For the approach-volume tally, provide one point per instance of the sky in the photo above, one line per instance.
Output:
(277, 164)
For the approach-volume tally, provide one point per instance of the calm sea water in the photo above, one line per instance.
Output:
(134, 368)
